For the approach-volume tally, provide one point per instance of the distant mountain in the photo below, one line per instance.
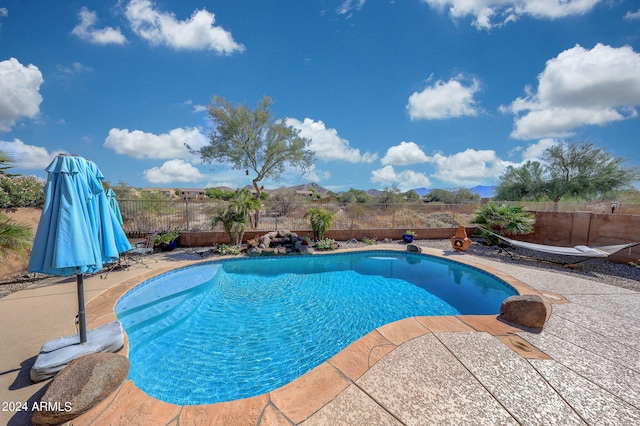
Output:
(483, 191)
(422, 191)
(306, 187)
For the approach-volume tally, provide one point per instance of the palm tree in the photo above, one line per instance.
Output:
(503, 219)
(321, 220)
(235, 216)
(15, 239)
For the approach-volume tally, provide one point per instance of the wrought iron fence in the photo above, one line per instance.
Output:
(145, 216)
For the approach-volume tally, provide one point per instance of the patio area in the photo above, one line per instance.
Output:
(584, 368)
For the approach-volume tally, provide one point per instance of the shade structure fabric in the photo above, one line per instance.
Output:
(78, 231)
(113, 203)
(579, 251)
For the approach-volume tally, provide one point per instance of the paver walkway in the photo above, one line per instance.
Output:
(586, 369)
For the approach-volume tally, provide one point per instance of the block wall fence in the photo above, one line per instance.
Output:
(552, 228)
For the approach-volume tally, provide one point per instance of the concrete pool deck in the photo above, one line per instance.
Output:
(584, 368)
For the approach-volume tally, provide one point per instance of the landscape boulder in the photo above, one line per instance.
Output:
(414, 248)
(254, 251)
(528, 310)
(81, 386)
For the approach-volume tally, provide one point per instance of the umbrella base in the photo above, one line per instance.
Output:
(56, 354)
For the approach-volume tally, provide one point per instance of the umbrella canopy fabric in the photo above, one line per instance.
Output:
(113, 202)
(78, 231)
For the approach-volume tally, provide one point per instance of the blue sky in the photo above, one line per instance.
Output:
(412, 93)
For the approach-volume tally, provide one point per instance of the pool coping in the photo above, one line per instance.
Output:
(301, 398)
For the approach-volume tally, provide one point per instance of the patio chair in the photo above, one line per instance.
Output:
(144, 251)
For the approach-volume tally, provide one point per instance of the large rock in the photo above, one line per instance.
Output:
(528, 310)
(414, 248)
(80, 386)
(284, 233)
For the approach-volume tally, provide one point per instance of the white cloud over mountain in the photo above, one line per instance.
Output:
(19, 92)
(326, 143)
(139, 144)
(86, 30)
(579, 87)
(163, 28)
(404, 180)
(469, 166)
(445, 99)
(489, 13)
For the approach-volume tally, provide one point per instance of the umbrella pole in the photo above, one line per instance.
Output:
(82, 320)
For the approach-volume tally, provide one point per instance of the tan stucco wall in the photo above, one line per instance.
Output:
(585, 228)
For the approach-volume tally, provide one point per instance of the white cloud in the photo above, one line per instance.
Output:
(174, 171)
(469, 167)
(404, 180)
(28, 157)
(489, 13)
(534, 151)
(580, 87)
(348, 5)
(195, 33)
(404, 154)
(139, 144)
(75, 68)
(444, 100)
(632, 15)
(19, 92)
(326, 143)
(315, 175)
(85, 30)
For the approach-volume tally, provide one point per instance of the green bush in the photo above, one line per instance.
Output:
(503, 219)
(165, 237)
(226, 250)
(21, 191)
(321, 220)
(326, 244)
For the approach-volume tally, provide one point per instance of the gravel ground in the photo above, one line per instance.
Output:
(620, 275)
(600, 270)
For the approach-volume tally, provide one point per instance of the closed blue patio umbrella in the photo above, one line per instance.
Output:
(78, 231)
(113, 202)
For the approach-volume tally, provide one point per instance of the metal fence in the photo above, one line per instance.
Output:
(196, 216)
(145, 216)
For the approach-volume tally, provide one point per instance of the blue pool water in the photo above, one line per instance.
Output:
(232, 329)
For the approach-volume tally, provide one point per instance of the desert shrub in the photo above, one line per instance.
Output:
(326, 244)
(15, 239)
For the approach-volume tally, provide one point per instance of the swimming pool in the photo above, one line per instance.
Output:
(232, 329)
